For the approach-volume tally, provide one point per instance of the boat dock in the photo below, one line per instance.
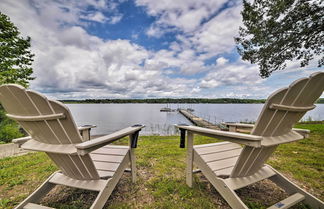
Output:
(197, 120)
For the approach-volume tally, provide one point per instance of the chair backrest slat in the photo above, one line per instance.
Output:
(11, 100)
(282, 110)
(44, 108)
(64, 164)
(301, 94)
(291, 108)
(263, 155)
(36, 118)
(67, 126)
(48, 122)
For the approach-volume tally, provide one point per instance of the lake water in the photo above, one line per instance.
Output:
(112, 117)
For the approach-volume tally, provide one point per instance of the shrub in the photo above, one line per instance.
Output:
(9, 129)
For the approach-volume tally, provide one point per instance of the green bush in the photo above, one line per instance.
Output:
(9, 129)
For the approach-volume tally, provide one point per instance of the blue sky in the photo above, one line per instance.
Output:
(141, 49)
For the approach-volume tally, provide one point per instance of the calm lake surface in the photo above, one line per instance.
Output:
(112, 117)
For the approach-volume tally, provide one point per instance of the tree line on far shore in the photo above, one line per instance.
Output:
(173, 100)
(168, 100)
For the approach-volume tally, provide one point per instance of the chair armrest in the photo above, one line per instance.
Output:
(88, 146)
(21, 140)
(234, 126)
(239, 138)
(86, 127)
(243, 125)
(304, 132)
(85, 131)
(51, 148)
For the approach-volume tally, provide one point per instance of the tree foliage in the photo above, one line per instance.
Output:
(276, 31)
(9, 129)
(15, 55)
(15, 67)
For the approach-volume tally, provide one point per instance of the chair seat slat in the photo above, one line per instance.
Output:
(221, 164)
(224, 171)
(221, 155)
(106, 158)
(35, 206)
(216, 149)
(94, 185)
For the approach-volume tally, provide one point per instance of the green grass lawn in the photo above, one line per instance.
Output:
(161, 177)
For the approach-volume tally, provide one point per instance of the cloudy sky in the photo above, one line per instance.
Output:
(140, 49)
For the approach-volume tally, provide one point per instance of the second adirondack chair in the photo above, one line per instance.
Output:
(86, 164)
(229, 166)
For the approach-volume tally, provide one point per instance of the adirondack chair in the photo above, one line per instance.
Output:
(83, 163)
(229, 166)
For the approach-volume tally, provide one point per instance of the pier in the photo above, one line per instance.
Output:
(197, 120)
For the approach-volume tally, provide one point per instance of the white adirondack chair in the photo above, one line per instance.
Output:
(229, 166)
(85, 164)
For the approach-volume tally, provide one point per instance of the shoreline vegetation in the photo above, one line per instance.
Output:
(173, 101)
(9, 129)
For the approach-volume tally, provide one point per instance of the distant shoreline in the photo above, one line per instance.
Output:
(172, 101)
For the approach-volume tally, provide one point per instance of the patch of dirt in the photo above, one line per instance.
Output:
(304, 186)
(136, 195)
(68, 196)
(264, 193)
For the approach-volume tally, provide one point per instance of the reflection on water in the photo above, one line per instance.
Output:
(112, 117)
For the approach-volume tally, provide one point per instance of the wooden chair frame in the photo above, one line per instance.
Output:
(85, 164)
(226, 187)
(104, 187)
(241, 160)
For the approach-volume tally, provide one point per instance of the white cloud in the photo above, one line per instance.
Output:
(154, 31)
(95, 16)
(98, 16)
(207, 30)
(184, 61)
(221, 61)
(115, 19)
(183, 14)
(234, 74)
(217, 35)
(71, 63)
(187, 21)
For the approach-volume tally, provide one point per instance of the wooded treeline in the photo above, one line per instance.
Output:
(173, 100)
(320, 101)
(168, 100)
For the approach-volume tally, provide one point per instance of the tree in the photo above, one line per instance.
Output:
(15, 56)
(15, 62)
(276, 31)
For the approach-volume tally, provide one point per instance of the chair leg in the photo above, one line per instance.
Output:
(105, 193)
(189, 169)
(132, 157)
(292, 188)
(219, 184)
(228, 194)
(40, 192)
